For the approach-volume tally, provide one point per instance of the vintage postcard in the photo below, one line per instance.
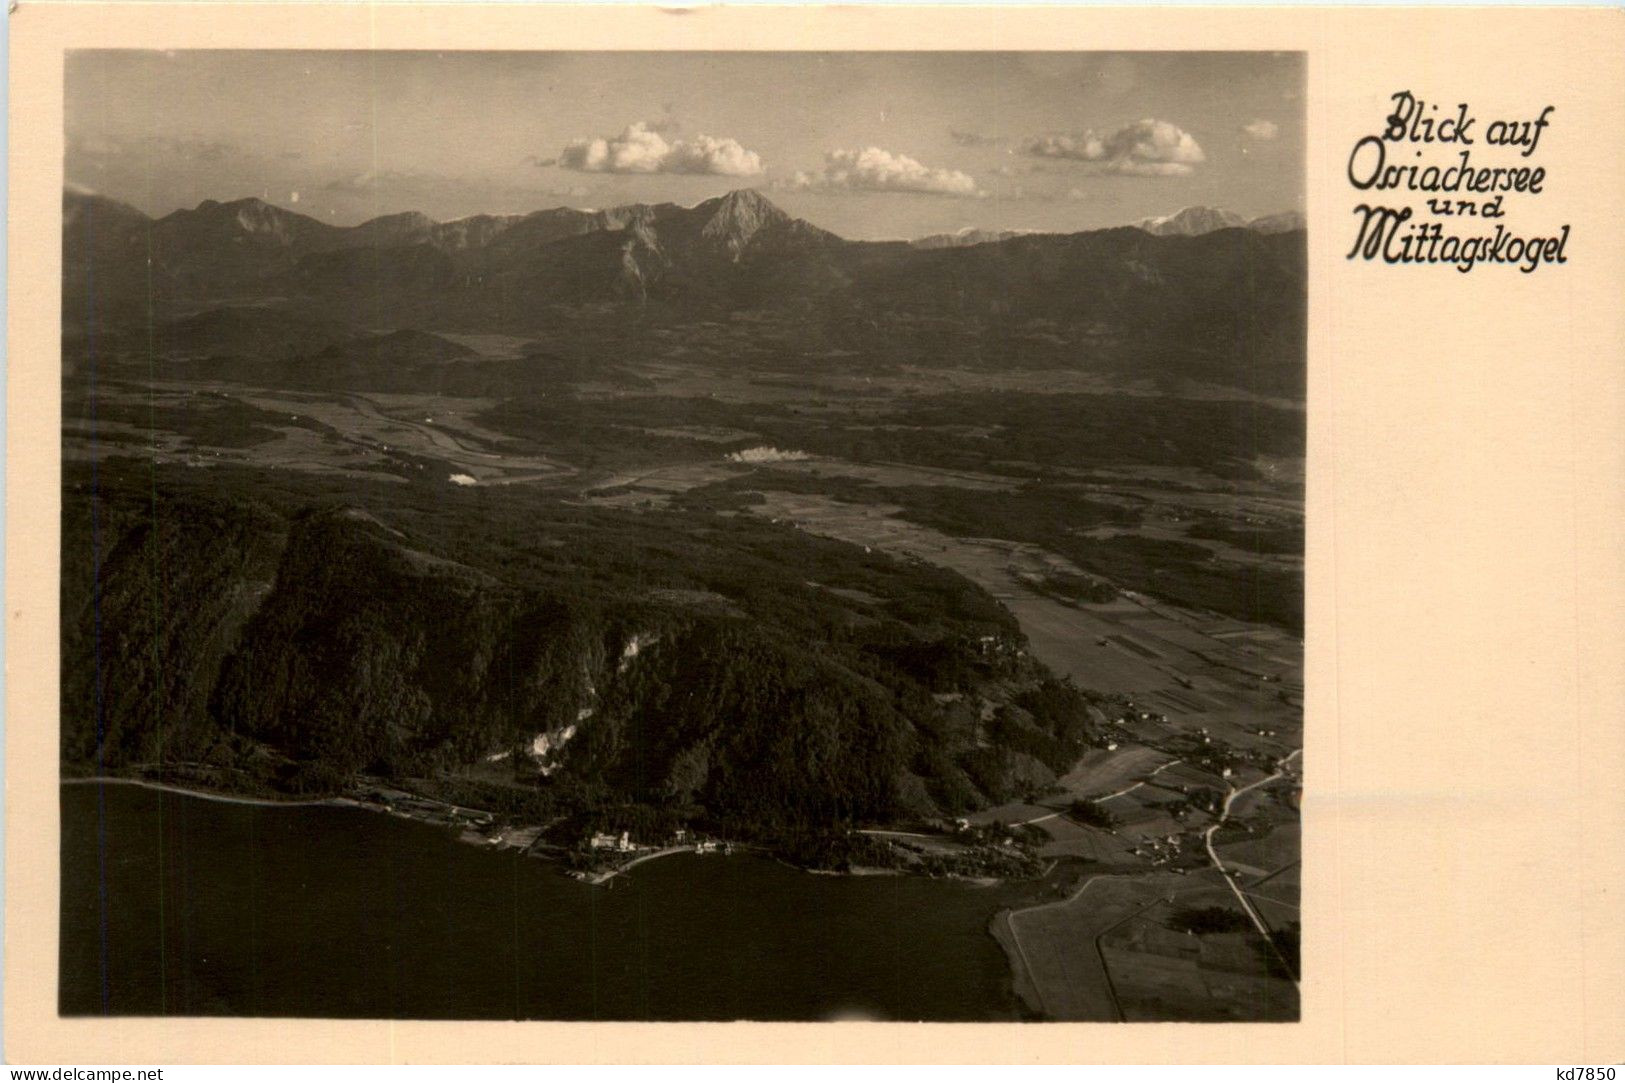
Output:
(937, 534)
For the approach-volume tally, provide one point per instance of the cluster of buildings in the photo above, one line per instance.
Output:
(1161, 851)
(623, 843)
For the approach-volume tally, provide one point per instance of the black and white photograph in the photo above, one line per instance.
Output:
(683, 536)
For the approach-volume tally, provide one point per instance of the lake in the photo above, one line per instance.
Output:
(178, 905)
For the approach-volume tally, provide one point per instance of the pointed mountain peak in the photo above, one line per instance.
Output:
(732, 220)
(1191, 222)
(745, 207)
(245, 217)
(250, 212)
(748, 201)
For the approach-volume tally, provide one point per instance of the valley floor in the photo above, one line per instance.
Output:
(1178, 838)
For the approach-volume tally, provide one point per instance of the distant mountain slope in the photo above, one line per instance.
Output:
(219, 246)
(1186, 296)
(396, 348)
(392, 230)
(361, 281)
(95, 225)
(249, 331)
(402, 360)
(1191, 222)
(1286, 222)
(967, 236)
(105, 245)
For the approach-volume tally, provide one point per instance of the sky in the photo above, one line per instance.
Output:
(868, 145)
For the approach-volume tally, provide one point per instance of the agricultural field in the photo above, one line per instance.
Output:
(1056, 951)
(1128, 948)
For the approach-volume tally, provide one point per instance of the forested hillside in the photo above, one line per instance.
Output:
(300, 635)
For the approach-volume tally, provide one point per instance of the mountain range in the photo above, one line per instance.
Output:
(219, 247)
(1222, 303)
(1196, 221)
(968, 236)
(1189, 222)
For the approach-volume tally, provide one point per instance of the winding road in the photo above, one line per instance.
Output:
(1230, 877)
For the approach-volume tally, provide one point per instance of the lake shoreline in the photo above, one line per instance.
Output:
(248, 891)
(1021, 987)
(210, 795)
(596, 878)
(449, 811)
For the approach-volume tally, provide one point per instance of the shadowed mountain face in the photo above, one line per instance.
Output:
(413, 228)
(336, 640)
(1183, 297)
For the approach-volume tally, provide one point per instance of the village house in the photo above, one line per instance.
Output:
(604, 840)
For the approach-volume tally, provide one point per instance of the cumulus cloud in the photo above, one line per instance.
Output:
(1153, 148)
(1146, 148)
(1087, 147)
(973, 139)
(1263, 130)
(876, 170)
(642, 149)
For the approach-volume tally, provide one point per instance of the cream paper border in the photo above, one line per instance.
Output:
(1464, 824)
